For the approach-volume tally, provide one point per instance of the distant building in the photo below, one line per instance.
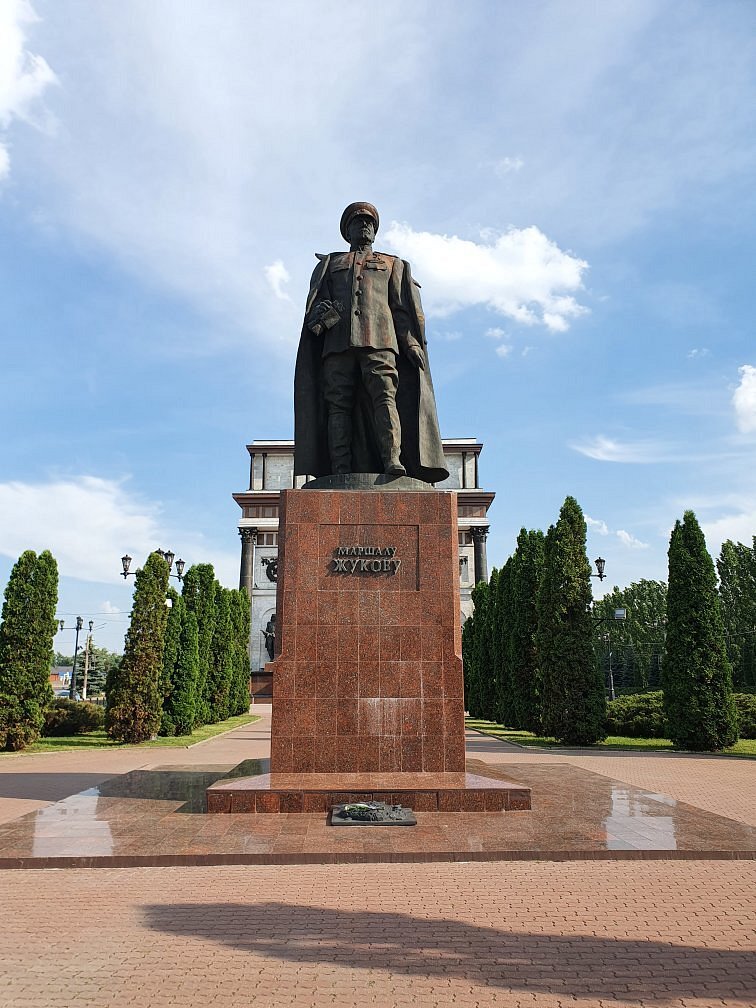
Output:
(271, 470)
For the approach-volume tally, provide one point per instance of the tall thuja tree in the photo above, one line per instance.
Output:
(199, 596)
(736, 566)
(182, 703)
(470, 665)
(134, 697)
(489, 649)
(222, 662)
(574, 703)
(170, 655)
(527, 571)
(27, 630)
(240, 623)
(502, 616)
(696, 675)
(476, 655)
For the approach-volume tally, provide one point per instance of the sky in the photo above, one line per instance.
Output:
(573, 183)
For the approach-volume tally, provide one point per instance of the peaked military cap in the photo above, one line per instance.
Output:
(351, 211)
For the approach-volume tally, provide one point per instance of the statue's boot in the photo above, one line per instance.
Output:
(389, 439)
(340, 442)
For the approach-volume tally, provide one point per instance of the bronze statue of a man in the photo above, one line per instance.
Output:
(363, 394)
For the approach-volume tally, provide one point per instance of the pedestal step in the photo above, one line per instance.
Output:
(422, 792)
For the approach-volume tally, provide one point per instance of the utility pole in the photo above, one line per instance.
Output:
(72, 690)
(87, 652)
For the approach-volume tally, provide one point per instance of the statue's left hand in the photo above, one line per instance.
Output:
(417, 357)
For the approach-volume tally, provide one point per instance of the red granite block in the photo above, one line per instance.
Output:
(349, 508)
(391, 710)
(453, 681)
(412, 754)
(267, 802)
(347, 753)
(433, 719)
(473, 800)
(347, 643)
(368, 679)
(307, 643)
(431, 643)
(390, 608)
(306, 609)
(368, 755)
(347, 678)
(369, 718)
(243, 801)
(343, 797)
(314, 801)
(325, 754)
(283, 679)
(454, 754)
(431, 611)
(328, 641)
(328, 607)
(329, 507)
(325, 718)
(410, 643)
(288, 608)
(218, 801)
(292, 802)
(346, 717)
(449, 801)
(305, 680)
(389, 638)
(425, 801)
(389, 678)
(410, 609)
(495, 801)
(369, 607)
(280, 753)
(303, 717)
(326, 680)
(348, 607)
(411, 717)
(433, 753)
(454, 717)
(432, 680)
(389, 754)
(409, 682)
(518, 801)
(428, 509)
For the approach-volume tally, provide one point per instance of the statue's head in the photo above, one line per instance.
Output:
(356, 217)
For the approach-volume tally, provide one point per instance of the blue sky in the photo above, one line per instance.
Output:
(573, 183)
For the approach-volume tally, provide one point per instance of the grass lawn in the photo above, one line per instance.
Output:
(99, 740)
(744, 747)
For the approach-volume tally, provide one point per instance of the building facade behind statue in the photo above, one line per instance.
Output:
(272, 470)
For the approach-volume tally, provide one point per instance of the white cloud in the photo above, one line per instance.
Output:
(277, 275)
(520, 274)
(88, 523)
(739, 526)
(507, 165)
(698, 352)
(23, 75)
(495, 333)
(503, 350)
(597, 525)
(109, 609)
(627, 539)
(744, 399)
(605, 449)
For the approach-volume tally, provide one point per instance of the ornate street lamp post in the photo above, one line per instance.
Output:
(167, 555)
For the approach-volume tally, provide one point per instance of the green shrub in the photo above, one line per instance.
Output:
(638, 716)
(167, 725)
(72, 717)
(745, 705)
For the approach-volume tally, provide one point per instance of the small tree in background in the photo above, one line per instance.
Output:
(27, 631)
(480, 680)
(240, 623)
(574, 702)
(222, 663)
(736, 566)
(134, 699)
(525, 686)
(183, 698)
(170, 654)
(502, 618)
(199, 596)
(696, 675)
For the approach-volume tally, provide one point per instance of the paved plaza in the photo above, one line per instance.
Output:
(668, 932)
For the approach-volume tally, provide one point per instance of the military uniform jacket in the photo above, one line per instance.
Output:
(369, 292)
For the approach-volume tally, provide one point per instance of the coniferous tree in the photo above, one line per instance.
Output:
(638, 640)
(489, 649)
(134, 700)
(182, 701)
(574, 702)
(527, 571)
(170, 655)
(503, 616)
(736, 566)
(27, 630)
(696, 675)
(469, 665)
(222, 663)
(199, 596)
(240, 622)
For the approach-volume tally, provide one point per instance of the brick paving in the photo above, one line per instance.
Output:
(667, 934)
(672, 934)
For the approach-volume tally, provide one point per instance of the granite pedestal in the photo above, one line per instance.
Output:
(367, 679)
